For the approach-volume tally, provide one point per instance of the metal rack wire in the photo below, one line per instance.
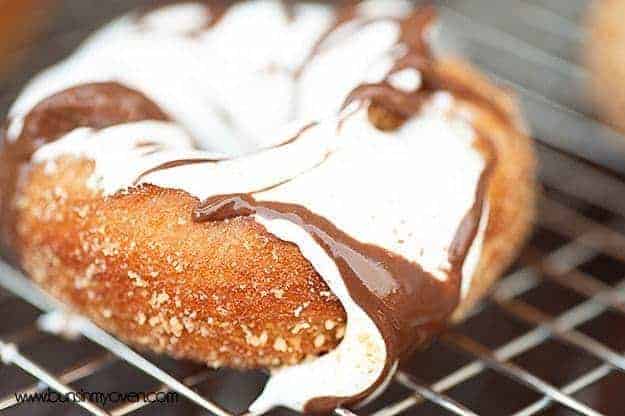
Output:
(546, 342)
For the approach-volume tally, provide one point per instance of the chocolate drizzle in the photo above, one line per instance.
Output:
(173, 164)
(406, 303)
(407, 300)
(434, 77)
(193, 161)
(95, 105)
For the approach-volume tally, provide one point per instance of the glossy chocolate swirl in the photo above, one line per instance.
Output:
(406, 303)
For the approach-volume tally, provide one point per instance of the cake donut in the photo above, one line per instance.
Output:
(296, 186)
(604, 55)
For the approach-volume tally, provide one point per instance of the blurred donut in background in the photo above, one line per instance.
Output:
(604, 55)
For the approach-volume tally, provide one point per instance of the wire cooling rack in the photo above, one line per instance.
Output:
(549, 341)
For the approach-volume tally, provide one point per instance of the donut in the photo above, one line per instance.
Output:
(604, 55)
(318, 197)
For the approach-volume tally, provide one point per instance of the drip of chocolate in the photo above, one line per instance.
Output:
(399, 105)
(183, 162)
(406, 303)
(96, 105)
(409, 300)
(296, 136)
(173, 164)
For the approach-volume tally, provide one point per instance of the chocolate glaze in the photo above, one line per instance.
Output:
(183, 162)
(407, 304)
(95, 105)
(174, 164)
(419, 57)
(295, 137)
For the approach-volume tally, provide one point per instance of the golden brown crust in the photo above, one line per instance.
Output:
(222, 293)
(136, 263)
(604, 55)
(512, 187)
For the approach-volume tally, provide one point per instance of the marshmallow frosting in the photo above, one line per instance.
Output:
(257, 98)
